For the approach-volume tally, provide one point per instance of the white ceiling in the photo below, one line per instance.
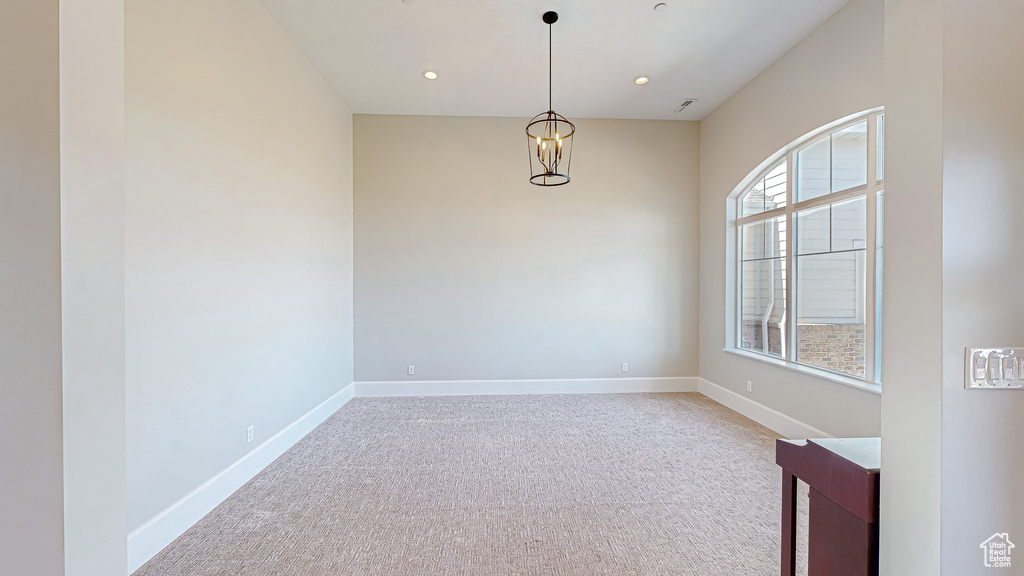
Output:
(492, 55)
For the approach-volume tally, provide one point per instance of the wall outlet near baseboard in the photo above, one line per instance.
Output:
(750, 386)
(412, 370)
(625, 366)
(249, 434)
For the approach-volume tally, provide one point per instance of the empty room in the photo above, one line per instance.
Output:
(438, 287)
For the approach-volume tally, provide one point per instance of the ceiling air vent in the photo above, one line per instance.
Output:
(685, 103)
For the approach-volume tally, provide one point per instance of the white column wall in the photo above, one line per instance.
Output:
(982, 277)
(92, 269)
(912, 293)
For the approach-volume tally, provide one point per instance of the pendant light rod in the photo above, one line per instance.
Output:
(550, 18)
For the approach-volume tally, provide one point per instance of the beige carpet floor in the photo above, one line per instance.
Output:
(580, 485)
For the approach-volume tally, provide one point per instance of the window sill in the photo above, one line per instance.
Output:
(810, 371)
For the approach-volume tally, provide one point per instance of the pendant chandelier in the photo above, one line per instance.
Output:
(550, 136)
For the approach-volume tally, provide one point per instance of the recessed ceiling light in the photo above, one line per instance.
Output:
(641, 80)
(430, 75)
(660, 7)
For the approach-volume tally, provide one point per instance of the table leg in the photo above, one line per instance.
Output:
(788, 524)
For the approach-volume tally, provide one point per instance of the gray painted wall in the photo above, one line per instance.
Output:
(982, 277)
(468, 272)
(832, 73)
(238, 241)
(31, 500)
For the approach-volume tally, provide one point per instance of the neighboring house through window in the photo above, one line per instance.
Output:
(808, 251)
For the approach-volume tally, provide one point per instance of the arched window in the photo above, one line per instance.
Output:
(808, 251)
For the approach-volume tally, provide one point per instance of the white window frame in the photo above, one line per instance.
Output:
(735, 221)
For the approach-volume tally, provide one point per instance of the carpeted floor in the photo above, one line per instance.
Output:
(581, 485)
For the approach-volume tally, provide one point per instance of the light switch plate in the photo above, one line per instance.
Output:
(994, 368)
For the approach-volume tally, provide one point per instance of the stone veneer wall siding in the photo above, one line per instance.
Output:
(752, 337)
(836, 347)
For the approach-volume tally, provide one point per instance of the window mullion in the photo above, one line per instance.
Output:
(789, 337)
(774, 213)
(836, 197)
(738, 303)
(870, 254)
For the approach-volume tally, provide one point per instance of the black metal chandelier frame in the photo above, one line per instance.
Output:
(550, 134)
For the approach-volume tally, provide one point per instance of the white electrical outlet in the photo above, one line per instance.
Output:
(412, 370)
(248, 434)
(750, 386)
(625, 366)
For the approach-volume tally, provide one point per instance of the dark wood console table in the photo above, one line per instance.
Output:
(843, 531)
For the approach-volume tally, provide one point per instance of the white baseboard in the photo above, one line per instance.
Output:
(493, 387)
(769, 418)
(150, 538)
